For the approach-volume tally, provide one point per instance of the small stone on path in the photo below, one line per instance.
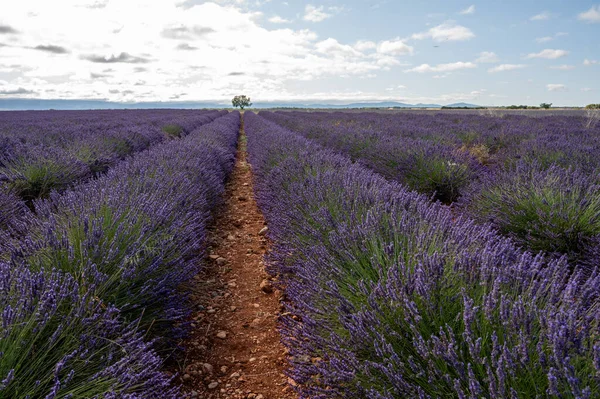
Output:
(266, 287)
(221, 261)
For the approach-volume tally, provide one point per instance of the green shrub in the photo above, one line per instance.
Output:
(173, 130)
(444, 178)
(551, 209)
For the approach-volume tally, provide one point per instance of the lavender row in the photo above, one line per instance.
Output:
(429, 166)
(98, 283)
(496, 137)
(534, 179)
(94, 148)
(496, 142)
(60, 128)
(50, 152)
(83, 134)
(394, 296)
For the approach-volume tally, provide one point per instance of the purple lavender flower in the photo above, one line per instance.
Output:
(404, 298)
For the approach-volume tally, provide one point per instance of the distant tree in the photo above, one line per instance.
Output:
(592, 106)
(545, 105)
(241, 102)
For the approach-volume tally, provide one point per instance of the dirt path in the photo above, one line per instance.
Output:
(235, 349)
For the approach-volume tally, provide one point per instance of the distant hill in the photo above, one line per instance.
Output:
(463, 105)
(44, 104)
(32, 104)
(388, 105)
(383, 104)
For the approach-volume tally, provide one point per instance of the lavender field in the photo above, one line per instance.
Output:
(426, 255)
(103, 222)
(434, 255)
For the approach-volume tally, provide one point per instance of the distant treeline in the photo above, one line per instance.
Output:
(522, 107)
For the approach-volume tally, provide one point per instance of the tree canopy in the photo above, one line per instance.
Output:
(241, 102)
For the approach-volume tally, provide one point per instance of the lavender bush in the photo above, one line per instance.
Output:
(428, 166)
(104, 266)
(56, 342)
(548, 209)
(13, 213)
(493, 141)
(396, 297)
(453, 155)
(39, 172)
(41, 155)
(136, 233)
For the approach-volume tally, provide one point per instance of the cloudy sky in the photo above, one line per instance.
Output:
(484, 52)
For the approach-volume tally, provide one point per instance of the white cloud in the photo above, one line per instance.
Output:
(395, 88)
(279, 20)
(506, 67)
(446, 31)
(586, 89)
(384, 61)
(563, 67)
(363, 45)
(587, 62)
(315, 14)
(454, 66)
(204, 48)
(556, 87)
(549, 54)
(147, 51)
(331, 46)
(545, 15)
(488, 57)
(591, 16)
(546, 39)
(394, 47)
(468, 11)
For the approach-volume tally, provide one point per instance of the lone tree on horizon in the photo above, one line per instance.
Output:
(241, 101)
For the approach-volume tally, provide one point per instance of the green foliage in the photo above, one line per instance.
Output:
(545, 105)
(241, 102)
(542, 208)
(57, 343)
(443, 178)
(32, 179)
(592, 106)
(37, 181)
(522, 107)
(173, 130)
(118, 146)
(479, 151)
